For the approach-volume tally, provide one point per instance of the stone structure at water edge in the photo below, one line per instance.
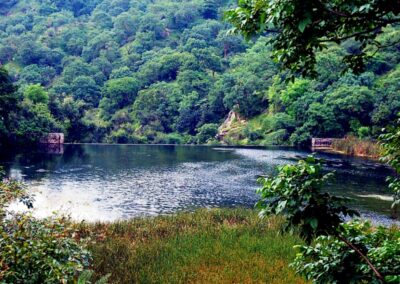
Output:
(53, 138)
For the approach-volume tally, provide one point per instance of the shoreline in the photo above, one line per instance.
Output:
(239, 146)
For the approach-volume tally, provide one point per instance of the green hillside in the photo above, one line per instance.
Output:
(124, 71)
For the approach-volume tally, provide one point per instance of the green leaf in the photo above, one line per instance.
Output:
(313, 223)
(303, 24)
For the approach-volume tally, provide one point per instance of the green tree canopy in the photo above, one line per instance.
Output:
(300, 28)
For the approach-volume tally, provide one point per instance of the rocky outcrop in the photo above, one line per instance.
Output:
(233, 122)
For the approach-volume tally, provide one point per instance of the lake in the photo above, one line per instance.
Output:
(108, 182)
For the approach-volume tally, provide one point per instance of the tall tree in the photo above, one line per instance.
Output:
(300, 28)
(8, 103)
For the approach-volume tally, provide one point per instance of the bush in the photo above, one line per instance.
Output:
(36, 251)
(329, 259)
(343, 252)
(39, 251)
(301, 137)
(297, 193)
(171, 138)
(364, 132)
(125, 135)
(253, 134)
(390, 142)
(206, 132)
(278, 137)
(9, 191)
(279, 121)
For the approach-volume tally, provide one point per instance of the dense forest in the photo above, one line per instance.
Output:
(158, 71)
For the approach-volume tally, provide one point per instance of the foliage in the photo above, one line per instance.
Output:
(342, 252)
(37, 251)
(8, 105)
(11, 190)
(119, 93)
(206, 132)
(296, 193)
(36, 94)
(111, 70)
(301, 28)
(390, 141)
(329, 259)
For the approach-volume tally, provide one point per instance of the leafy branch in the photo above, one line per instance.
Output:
(296, 193)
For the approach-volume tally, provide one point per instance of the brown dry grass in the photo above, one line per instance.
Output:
(354, 146)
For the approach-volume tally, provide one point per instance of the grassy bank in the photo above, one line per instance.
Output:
(354, 146)
(208, 246)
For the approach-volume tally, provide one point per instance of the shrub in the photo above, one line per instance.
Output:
(279, 121)
(296, 193)
(390, 142)
(36, 251)
(206, 132)
(39, 251)
(343, 253)
(171, 138)
(363, 132)
(278, 137)
(9, 191)
(125, 134)
(329, 260)
(253, 134)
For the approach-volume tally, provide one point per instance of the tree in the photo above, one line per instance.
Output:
(35, 74)
(210, 9)
(321, 122)
(244, 95)
(77, 68)
(5, 5)
(8, 104)
(102, 20)
(300, 28)
(119, 93)
(85, 88)
(189, 113)
(36, 94)
(206, 132)
(351, 103)
(157, 106)
(125, 26)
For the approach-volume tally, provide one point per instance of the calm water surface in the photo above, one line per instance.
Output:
(107, 182)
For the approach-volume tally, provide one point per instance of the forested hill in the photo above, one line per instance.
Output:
(162, 71)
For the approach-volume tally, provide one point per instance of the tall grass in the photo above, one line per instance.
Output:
(354, 146)
(208, 246)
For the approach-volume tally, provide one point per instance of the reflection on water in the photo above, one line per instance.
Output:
(107, 182)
